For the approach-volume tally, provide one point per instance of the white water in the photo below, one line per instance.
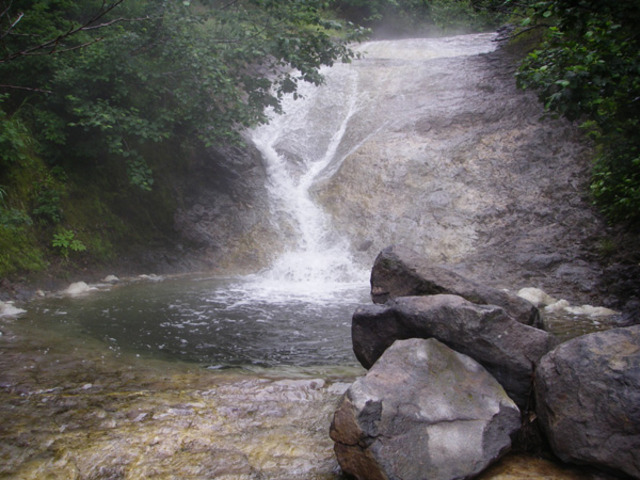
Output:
(297, 148)
(308, 143)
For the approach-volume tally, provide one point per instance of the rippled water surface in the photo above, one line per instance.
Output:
(119, 384)
(215, 322)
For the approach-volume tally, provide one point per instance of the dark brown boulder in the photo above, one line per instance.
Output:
(399, 272)
(507, 349)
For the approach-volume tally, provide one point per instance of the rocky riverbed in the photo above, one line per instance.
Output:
(73, 408)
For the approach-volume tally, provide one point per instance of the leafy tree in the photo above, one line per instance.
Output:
(117, 76)
(588, 69)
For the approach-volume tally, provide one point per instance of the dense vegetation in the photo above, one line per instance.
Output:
(103, 102)
(402, 17)
(587, 68)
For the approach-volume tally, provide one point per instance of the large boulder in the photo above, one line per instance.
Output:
(423, 411)
(588, 399)
(399, 271)
(506, 348)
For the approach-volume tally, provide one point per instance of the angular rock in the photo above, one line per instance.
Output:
(423, 411)
(400, 272)
(509, 350)
(588, 399)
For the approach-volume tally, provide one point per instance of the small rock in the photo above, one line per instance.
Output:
(536, 296)
(78, 288)
(7, 309)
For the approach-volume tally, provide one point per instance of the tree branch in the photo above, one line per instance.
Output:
(12, 26)
(51, 46)
(29, 89)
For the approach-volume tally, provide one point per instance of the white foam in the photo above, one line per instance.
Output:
(7, 309)
(78, 288)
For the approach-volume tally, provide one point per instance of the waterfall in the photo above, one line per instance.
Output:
(308, 143)
(299, 148)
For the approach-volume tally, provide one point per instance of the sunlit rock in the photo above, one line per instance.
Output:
(423, 411)
(588, 399)
(398, 271)
(78, 288)
(506, 348)
(536, 296)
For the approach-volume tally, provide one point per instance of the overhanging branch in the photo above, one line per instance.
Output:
(51, 47)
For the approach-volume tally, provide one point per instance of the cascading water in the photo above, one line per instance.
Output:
(297, 148)
(307, 144)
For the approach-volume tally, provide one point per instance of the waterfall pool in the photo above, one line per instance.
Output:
(127, 382)
(214, 322)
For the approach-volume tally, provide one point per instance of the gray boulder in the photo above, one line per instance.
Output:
(509, 350)
(423, 411)
(588, 399)
(400, 272)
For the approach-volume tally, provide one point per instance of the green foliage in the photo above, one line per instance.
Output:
(18, 248)
(465, 15)
(152, 72)
(588, 69)
(65, 241)
(14, 138)
(19, 251)
(47, 201)
(13, 218)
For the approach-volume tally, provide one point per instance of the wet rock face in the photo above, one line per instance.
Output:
(399, 271)
(469, 174)
(588, 399)
(506, 348)
(423, 411)
(224, 217)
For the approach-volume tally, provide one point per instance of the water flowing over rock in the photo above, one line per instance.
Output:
(399, 271)
(446, 155)
(423, 411)
(506, 348)
(588, 399)
(423, 142)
